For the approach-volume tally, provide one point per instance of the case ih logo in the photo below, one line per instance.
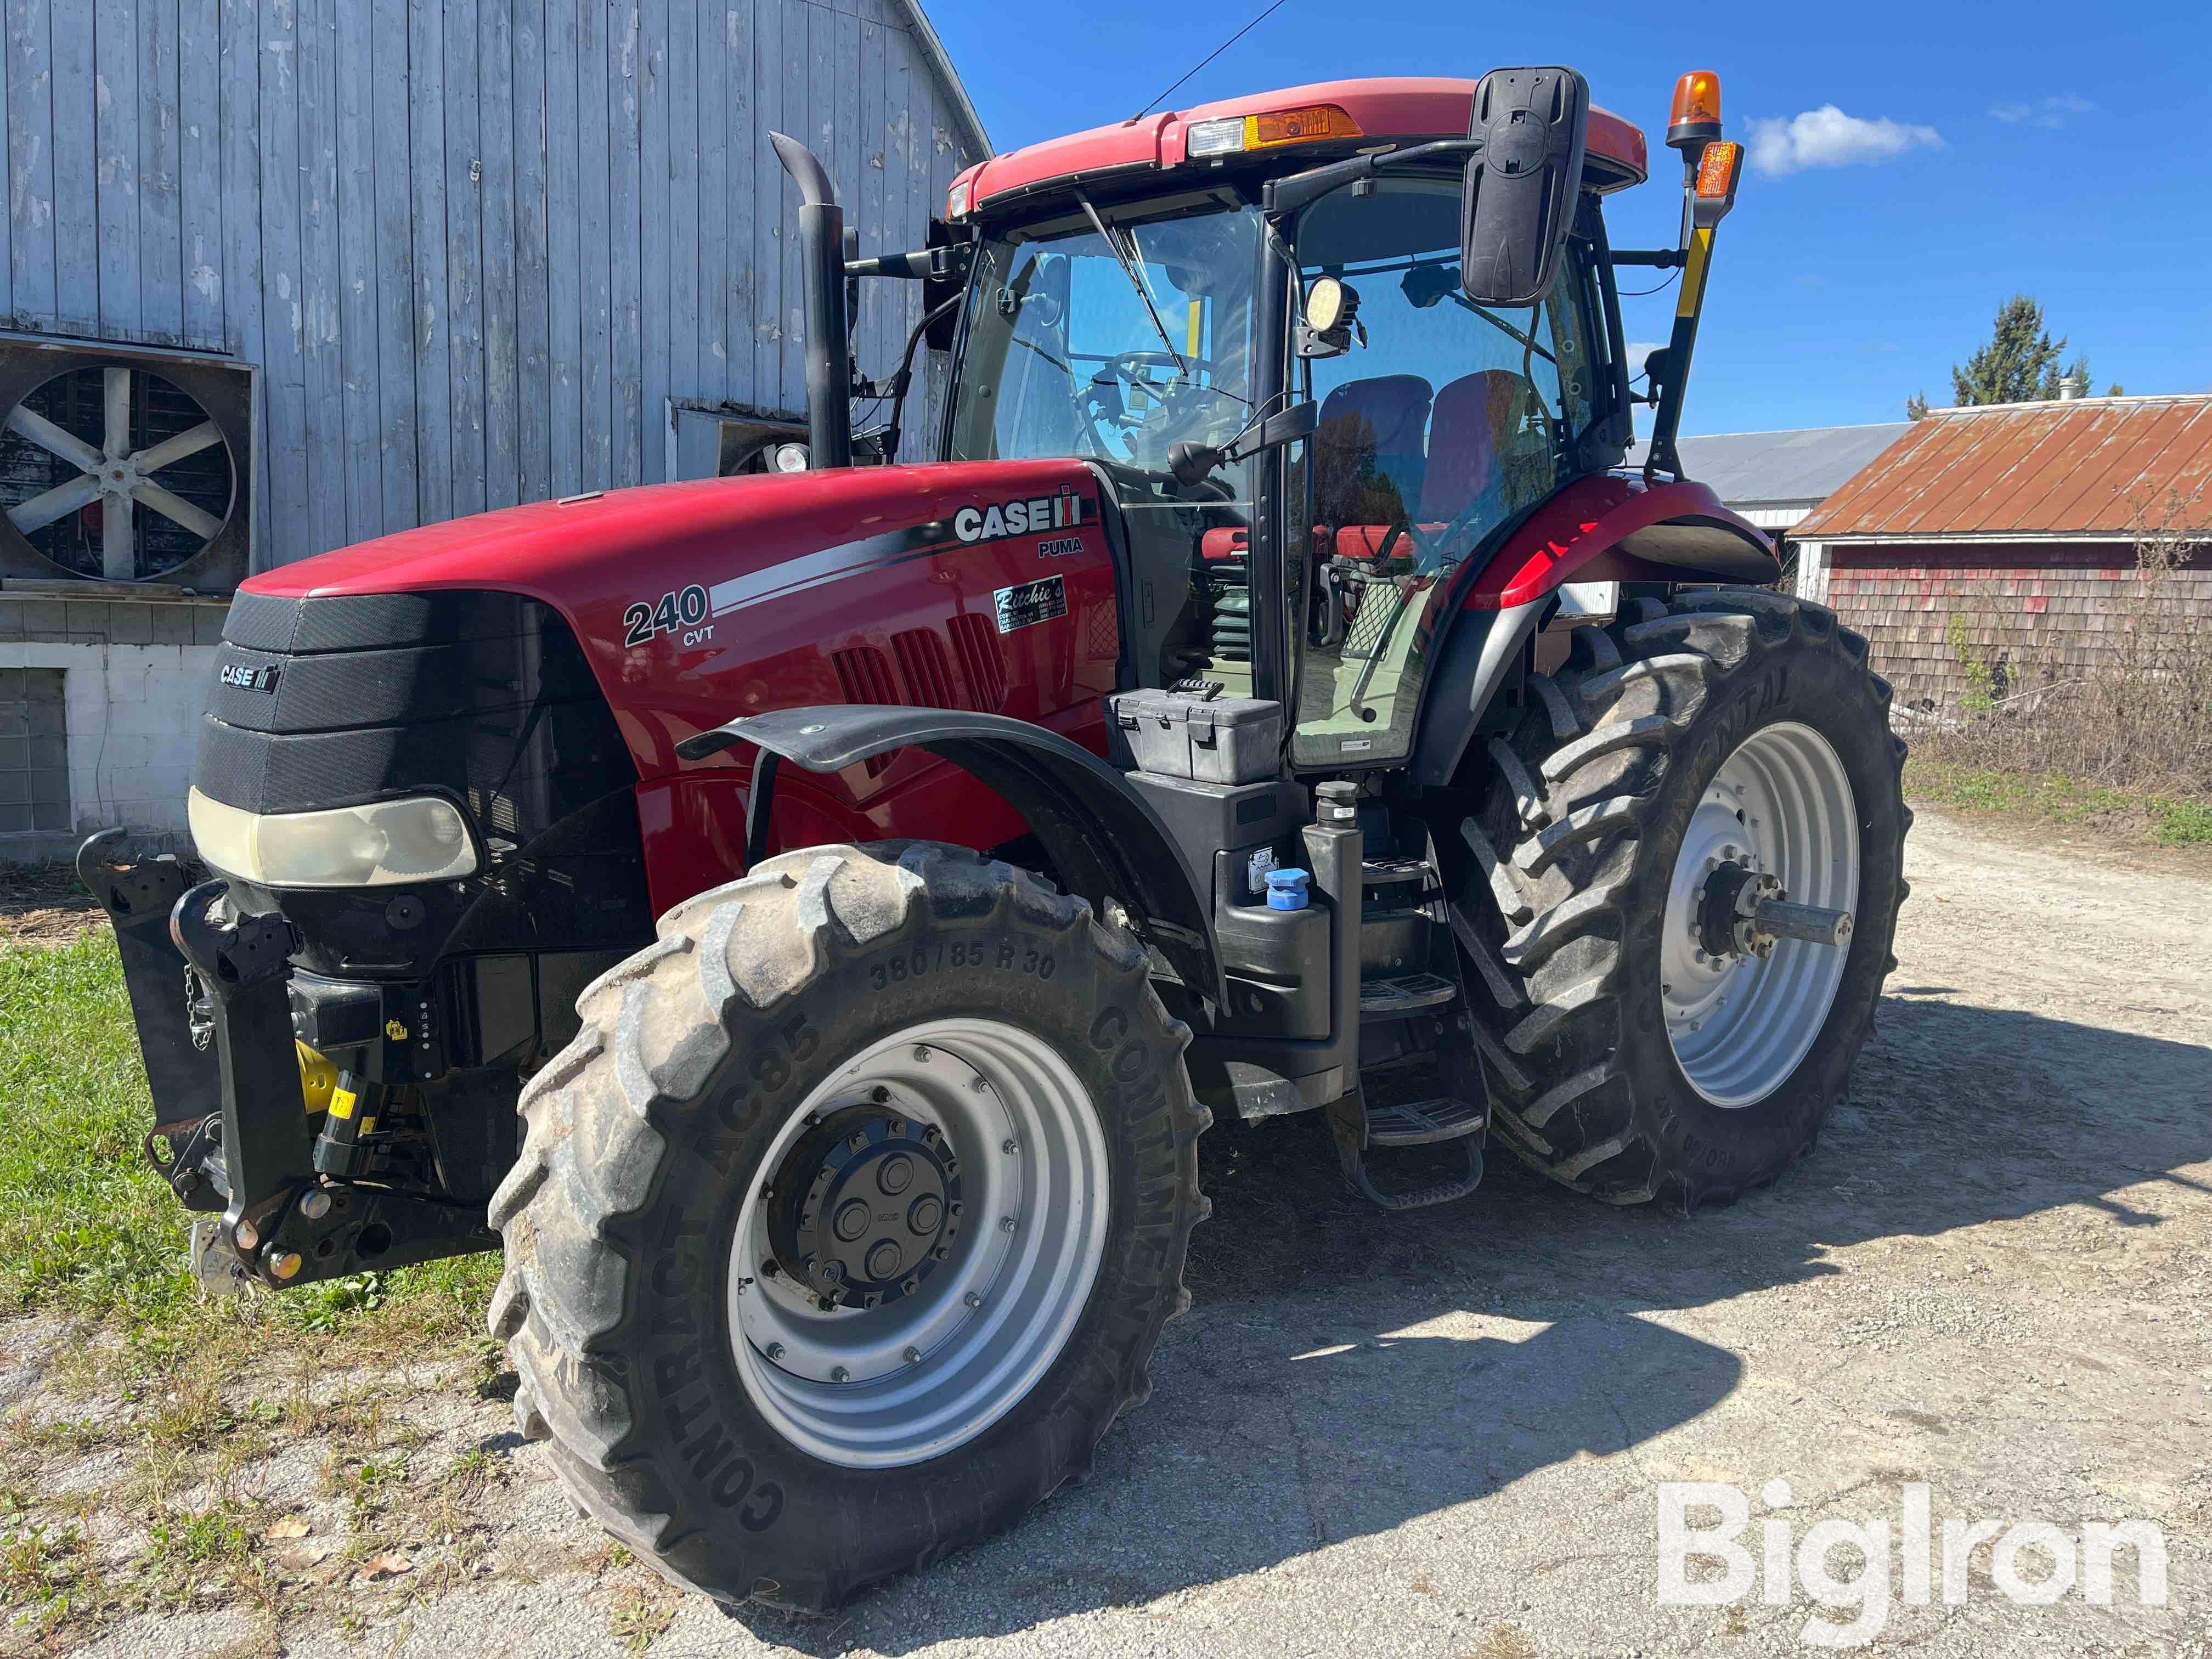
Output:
(1026, 517)
(248, 676)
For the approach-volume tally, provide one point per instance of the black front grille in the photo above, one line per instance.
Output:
(483, 697)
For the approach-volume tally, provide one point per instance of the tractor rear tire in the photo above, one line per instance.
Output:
(1621, 761)
(751, 1440)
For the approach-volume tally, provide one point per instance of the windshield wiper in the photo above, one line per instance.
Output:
(1129, 269)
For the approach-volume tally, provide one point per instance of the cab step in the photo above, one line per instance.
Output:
(1404, 994)
(1360, 1129)
(1425, 1123)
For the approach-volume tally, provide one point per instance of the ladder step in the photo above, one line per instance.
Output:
(1381, 872)
(1422, 1122)
(1405, 994)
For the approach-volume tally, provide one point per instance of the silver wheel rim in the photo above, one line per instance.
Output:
(1739, 1024)
(933, 1370)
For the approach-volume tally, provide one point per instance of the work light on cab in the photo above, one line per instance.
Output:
(1233, 135)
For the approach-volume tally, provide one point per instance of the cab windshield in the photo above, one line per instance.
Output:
(1113, 335)
(1111, 346)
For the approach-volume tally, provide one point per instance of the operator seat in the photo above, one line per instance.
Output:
(1367, 449)
(1473, 440)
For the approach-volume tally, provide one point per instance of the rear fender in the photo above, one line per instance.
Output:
(1104, 839)
(1606, 527)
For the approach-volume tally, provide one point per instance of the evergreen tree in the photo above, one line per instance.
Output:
(1916, 406)
(2018, 364)
(2078, 369)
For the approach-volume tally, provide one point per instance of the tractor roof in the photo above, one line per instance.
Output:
(1407, 108)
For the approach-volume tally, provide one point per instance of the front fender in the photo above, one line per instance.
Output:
(1605, 527)
(1103, 838)
(1612, 526)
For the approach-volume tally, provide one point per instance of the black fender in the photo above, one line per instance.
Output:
(1477, 652)
(1104, 839)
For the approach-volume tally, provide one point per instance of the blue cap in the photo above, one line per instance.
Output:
(1286, 890)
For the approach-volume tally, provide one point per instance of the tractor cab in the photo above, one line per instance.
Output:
(1140, 295)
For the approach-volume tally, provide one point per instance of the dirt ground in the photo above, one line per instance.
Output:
(44, 904)
(1443, 1434)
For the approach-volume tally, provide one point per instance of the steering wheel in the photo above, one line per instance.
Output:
(1106, 400)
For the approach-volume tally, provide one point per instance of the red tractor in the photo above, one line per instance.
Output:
(808, 919)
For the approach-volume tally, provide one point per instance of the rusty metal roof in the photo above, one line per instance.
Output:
(2093, 464)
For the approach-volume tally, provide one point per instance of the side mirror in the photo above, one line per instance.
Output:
(1191, 464)
(936, 289)
(1518, 202)
(852, 282)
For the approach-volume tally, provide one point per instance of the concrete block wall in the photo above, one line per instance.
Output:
(136, 676)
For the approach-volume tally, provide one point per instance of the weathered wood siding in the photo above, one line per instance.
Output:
(2036, 613)
(474, 245)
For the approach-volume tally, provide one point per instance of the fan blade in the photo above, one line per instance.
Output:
(54, 439)
(118, 546)
(58, 503)
(118, 412)
(205, 525)
(172, 450)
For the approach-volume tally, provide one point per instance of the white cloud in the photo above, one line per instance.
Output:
(1827, 138)
(2050, 112)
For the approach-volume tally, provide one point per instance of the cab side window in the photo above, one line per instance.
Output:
(1451, 420)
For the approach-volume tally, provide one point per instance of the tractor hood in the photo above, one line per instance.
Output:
(697, 602)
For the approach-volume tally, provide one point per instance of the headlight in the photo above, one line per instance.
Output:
(382, 844)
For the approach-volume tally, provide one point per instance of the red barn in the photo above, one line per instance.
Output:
(2015, 534)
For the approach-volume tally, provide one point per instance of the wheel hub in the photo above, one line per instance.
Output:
(865, 1206)
(1728, 903)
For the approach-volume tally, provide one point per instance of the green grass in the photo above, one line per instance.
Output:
(2168, 820)
(2184, 823)
(87, 1229)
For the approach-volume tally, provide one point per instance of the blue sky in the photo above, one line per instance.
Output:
(1987, 150)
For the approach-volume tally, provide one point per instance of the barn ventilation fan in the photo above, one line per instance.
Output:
(125, 468)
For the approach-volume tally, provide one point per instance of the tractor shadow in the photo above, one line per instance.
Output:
(1306, 1401)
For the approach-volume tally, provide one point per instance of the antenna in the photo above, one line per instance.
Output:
(1203, 62)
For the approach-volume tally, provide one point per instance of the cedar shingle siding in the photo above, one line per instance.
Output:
(2007, 535)
(2037, 619)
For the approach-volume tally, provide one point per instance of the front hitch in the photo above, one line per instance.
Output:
(241, 964)
(182, 1075)
(233, 1131)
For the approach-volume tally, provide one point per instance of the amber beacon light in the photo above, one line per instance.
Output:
(1696, 119)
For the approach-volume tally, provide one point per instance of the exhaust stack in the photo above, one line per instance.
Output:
(829, 351)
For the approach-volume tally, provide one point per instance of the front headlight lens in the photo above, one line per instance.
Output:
(384, 843)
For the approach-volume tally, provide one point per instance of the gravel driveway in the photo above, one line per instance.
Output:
(1444, 1434)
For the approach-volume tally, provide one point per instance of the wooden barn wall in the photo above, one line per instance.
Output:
(474, 244)
(2041, 613)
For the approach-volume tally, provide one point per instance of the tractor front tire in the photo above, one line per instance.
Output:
(1727, 728)
(848, 1224)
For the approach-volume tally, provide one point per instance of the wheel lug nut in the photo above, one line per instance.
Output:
(1005, 1224)
(839, 1373)
(878, 1094)
(921, 1052)
(774, 1350)
(980, 1086)
(912, 1356)
(973, 1299)
(1010, 1145)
